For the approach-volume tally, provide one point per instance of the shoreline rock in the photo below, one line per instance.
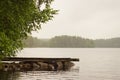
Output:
(37, 66)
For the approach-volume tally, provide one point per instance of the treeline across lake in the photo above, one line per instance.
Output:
(107, 43)
(72, 42)
(60, 42)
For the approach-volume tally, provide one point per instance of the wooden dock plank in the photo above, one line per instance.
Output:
(39, 59)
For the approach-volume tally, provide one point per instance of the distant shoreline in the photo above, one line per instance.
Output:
(65, 41)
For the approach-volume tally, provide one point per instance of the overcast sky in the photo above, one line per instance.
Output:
(92, 19)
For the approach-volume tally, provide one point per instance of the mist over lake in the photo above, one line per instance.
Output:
(95, 63)
(83, 34)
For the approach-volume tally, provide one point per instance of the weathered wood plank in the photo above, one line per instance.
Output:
(39, 59)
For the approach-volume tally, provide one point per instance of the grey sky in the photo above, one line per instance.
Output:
(86, 18)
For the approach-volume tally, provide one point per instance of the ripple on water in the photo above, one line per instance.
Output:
(50, 75)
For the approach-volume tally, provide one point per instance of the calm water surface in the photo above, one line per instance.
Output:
(95, 64)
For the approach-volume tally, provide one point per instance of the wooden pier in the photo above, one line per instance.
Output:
(39, 59)
(30, 64)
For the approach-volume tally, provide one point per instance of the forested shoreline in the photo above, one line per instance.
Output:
(107, 43)
(65, 41)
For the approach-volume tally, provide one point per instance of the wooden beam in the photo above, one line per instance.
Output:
(38, 59)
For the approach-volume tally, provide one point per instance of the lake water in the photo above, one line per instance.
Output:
(95, 64)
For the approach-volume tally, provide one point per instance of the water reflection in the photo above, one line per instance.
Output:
(41, 75)
(9, 75)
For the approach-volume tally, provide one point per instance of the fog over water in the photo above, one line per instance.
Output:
(95, 63)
